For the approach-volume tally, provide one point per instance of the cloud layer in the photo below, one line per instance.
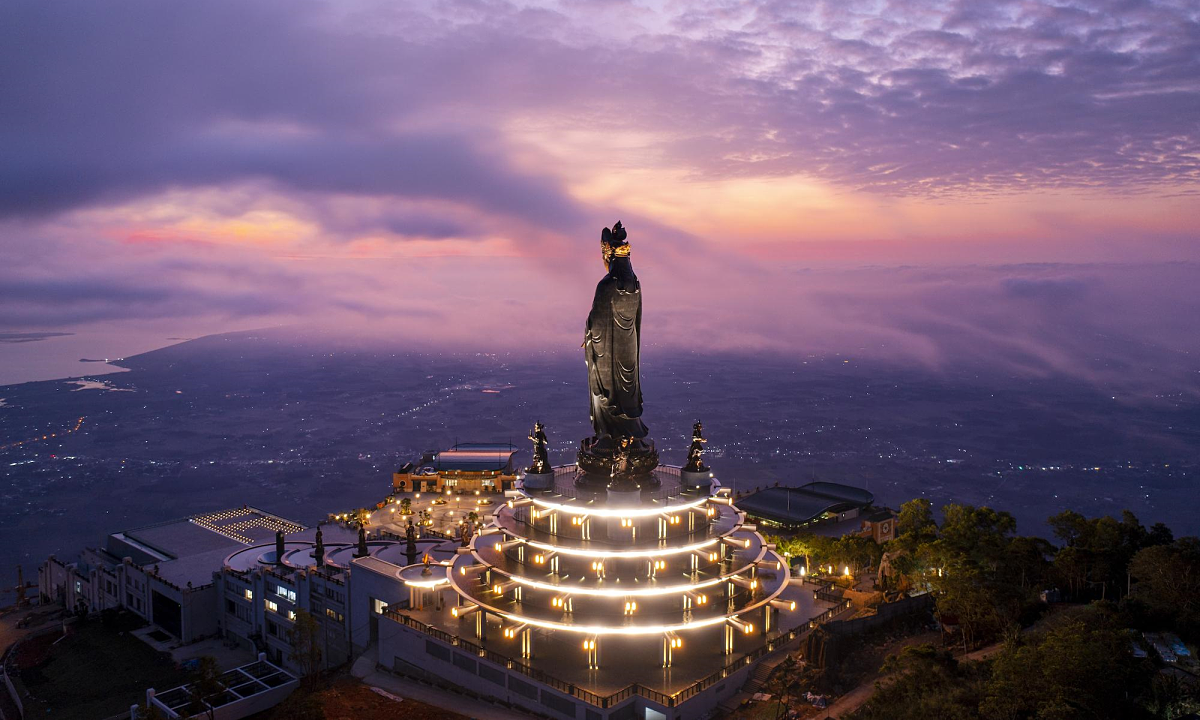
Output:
(443, 170)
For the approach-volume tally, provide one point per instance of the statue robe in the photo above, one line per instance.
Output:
(612, 348)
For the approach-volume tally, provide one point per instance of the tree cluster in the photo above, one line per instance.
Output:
(1079, 666)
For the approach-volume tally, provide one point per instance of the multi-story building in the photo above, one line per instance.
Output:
(161, 572)
(259, 606)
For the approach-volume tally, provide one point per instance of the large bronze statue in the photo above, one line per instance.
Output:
(612, 349)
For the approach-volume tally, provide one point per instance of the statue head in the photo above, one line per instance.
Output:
(613, 244)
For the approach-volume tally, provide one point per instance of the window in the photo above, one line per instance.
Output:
(335, 615)
(272, 606)
(291, 614)
(272, 629)
(378, 606)
(248, 593)
(283, 592)
(230, 607)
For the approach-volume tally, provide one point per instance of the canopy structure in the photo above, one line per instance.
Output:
(805, 504)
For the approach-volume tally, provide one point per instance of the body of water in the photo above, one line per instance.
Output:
(53, 355)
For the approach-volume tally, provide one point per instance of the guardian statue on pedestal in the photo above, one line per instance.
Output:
(695, 462)
(541, 457)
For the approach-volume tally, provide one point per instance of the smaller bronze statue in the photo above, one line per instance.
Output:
(465, 532)
(694, 461)
(410, 542)
(362, 542)
(541, 457)
(319, 553)
(278, 547)
(621, 464)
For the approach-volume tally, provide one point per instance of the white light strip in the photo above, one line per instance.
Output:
(607, 592)
(628, 630)
(618, 512)
(621, 553)
(426, 583)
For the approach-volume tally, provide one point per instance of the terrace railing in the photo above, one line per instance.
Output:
(607, 701)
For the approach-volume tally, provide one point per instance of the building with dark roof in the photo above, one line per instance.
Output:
(799, 507)
(823, 508)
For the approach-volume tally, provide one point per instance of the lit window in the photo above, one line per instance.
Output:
(272, 606)
(291, 614)
(248, 593)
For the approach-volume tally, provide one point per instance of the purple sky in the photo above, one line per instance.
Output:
(933, 182)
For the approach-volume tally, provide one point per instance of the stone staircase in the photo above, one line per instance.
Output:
(758, 678)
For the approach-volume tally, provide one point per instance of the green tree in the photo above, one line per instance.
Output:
(802, 546)
(1081, 667)
(303, 637)
(150, 712)
(922, 683)
(965, 599)
(406, 506)
(1028, 564)
(916, 520)
(1097, 552)
(1168, 583)
(203, 685)
(856, 551)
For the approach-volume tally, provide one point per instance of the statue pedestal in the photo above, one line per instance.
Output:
(538, 481)
(696, 480)
(636, 461)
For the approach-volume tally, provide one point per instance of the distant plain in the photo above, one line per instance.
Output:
(303, 429)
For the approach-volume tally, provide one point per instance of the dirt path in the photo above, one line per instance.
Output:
(852, 700)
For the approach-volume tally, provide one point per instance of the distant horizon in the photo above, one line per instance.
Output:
(1078, 321)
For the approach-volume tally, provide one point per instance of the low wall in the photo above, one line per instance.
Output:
(12, 692)
(410, 651)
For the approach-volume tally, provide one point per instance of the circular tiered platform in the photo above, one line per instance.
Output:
(636, 559)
